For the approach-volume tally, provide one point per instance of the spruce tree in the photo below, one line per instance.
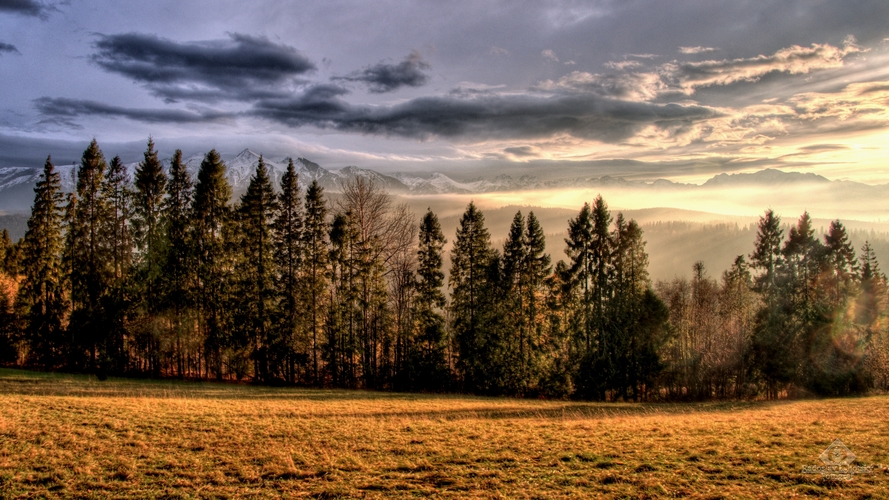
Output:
(841, 261)
(178, 272)
(118, 198)
(288, 241)
(41, 294)
(315, 241)
(511, 354)
(766, 256)
(536, 270)
(90, 259)
(150, 183)
(211, 216)
(471, 263)
(257, 212)
(580, 272)
(428, 358)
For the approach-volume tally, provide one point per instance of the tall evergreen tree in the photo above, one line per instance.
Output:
(288, 241)
(118, 198)
(257, 212)
(150, 183)
(41, 293)
(766, 256)
(178, 273)
(580, 274)
(428, 355)
(89, 256)
(211, 216)
(315, 241)
(841, 261)
(471, 261)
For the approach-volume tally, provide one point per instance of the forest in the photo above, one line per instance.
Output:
(164, 275)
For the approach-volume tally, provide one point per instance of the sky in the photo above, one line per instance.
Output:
(681, 90)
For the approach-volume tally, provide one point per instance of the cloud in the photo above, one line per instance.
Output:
(569, 63)
(386, 77)
(696, 50)
(497, 51)
(240, 68)
(66, 109)
(623, 65)
(864, 102)
(522, 151)
(793, 60)
(549, 54)
(626, 86)
(632, 83)
(7, 47)
(486, 116)
(26, 8)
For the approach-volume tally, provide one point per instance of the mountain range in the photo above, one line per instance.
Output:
(17, 183)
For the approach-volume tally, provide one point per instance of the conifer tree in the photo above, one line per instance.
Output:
(315, 241)
(257, 212)
(766, 256)
(178, 272)
(211, 216)
(536, 270)
(580, 274)
(842, 262)
(341, 343)
(90, 262)
(511, 354)
(428, 362)
(150, 183)
(471, 263)
(119, 242)
(288, 241)
(41, 294)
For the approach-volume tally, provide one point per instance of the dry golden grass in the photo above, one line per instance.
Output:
(72, 436)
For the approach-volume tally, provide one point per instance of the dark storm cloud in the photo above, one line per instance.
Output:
(6, 47)
(509, 116)
(25, 7)
(66, 109)
(386, 77)
(241, 68)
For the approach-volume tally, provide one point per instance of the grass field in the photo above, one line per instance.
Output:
(73, 436)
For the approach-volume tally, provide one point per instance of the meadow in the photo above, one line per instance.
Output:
(74, 436)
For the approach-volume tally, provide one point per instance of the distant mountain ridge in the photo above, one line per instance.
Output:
(17, 183)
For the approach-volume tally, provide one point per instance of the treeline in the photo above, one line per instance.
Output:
(162, 275)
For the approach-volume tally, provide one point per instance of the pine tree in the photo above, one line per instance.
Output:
(150, 183)
(316, 263)
(178, 272)
(90, 262)
(288, 241)
(119, 245)
(537, 269)
(471, 262)
(840, 257)
(766, 256)
(580, 273)
(512, 353)
(258, 210)
(41, 293)
(428, 357)
(341, 343)
(210, 219)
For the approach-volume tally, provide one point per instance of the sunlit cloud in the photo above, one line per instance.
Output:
(696, 50)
